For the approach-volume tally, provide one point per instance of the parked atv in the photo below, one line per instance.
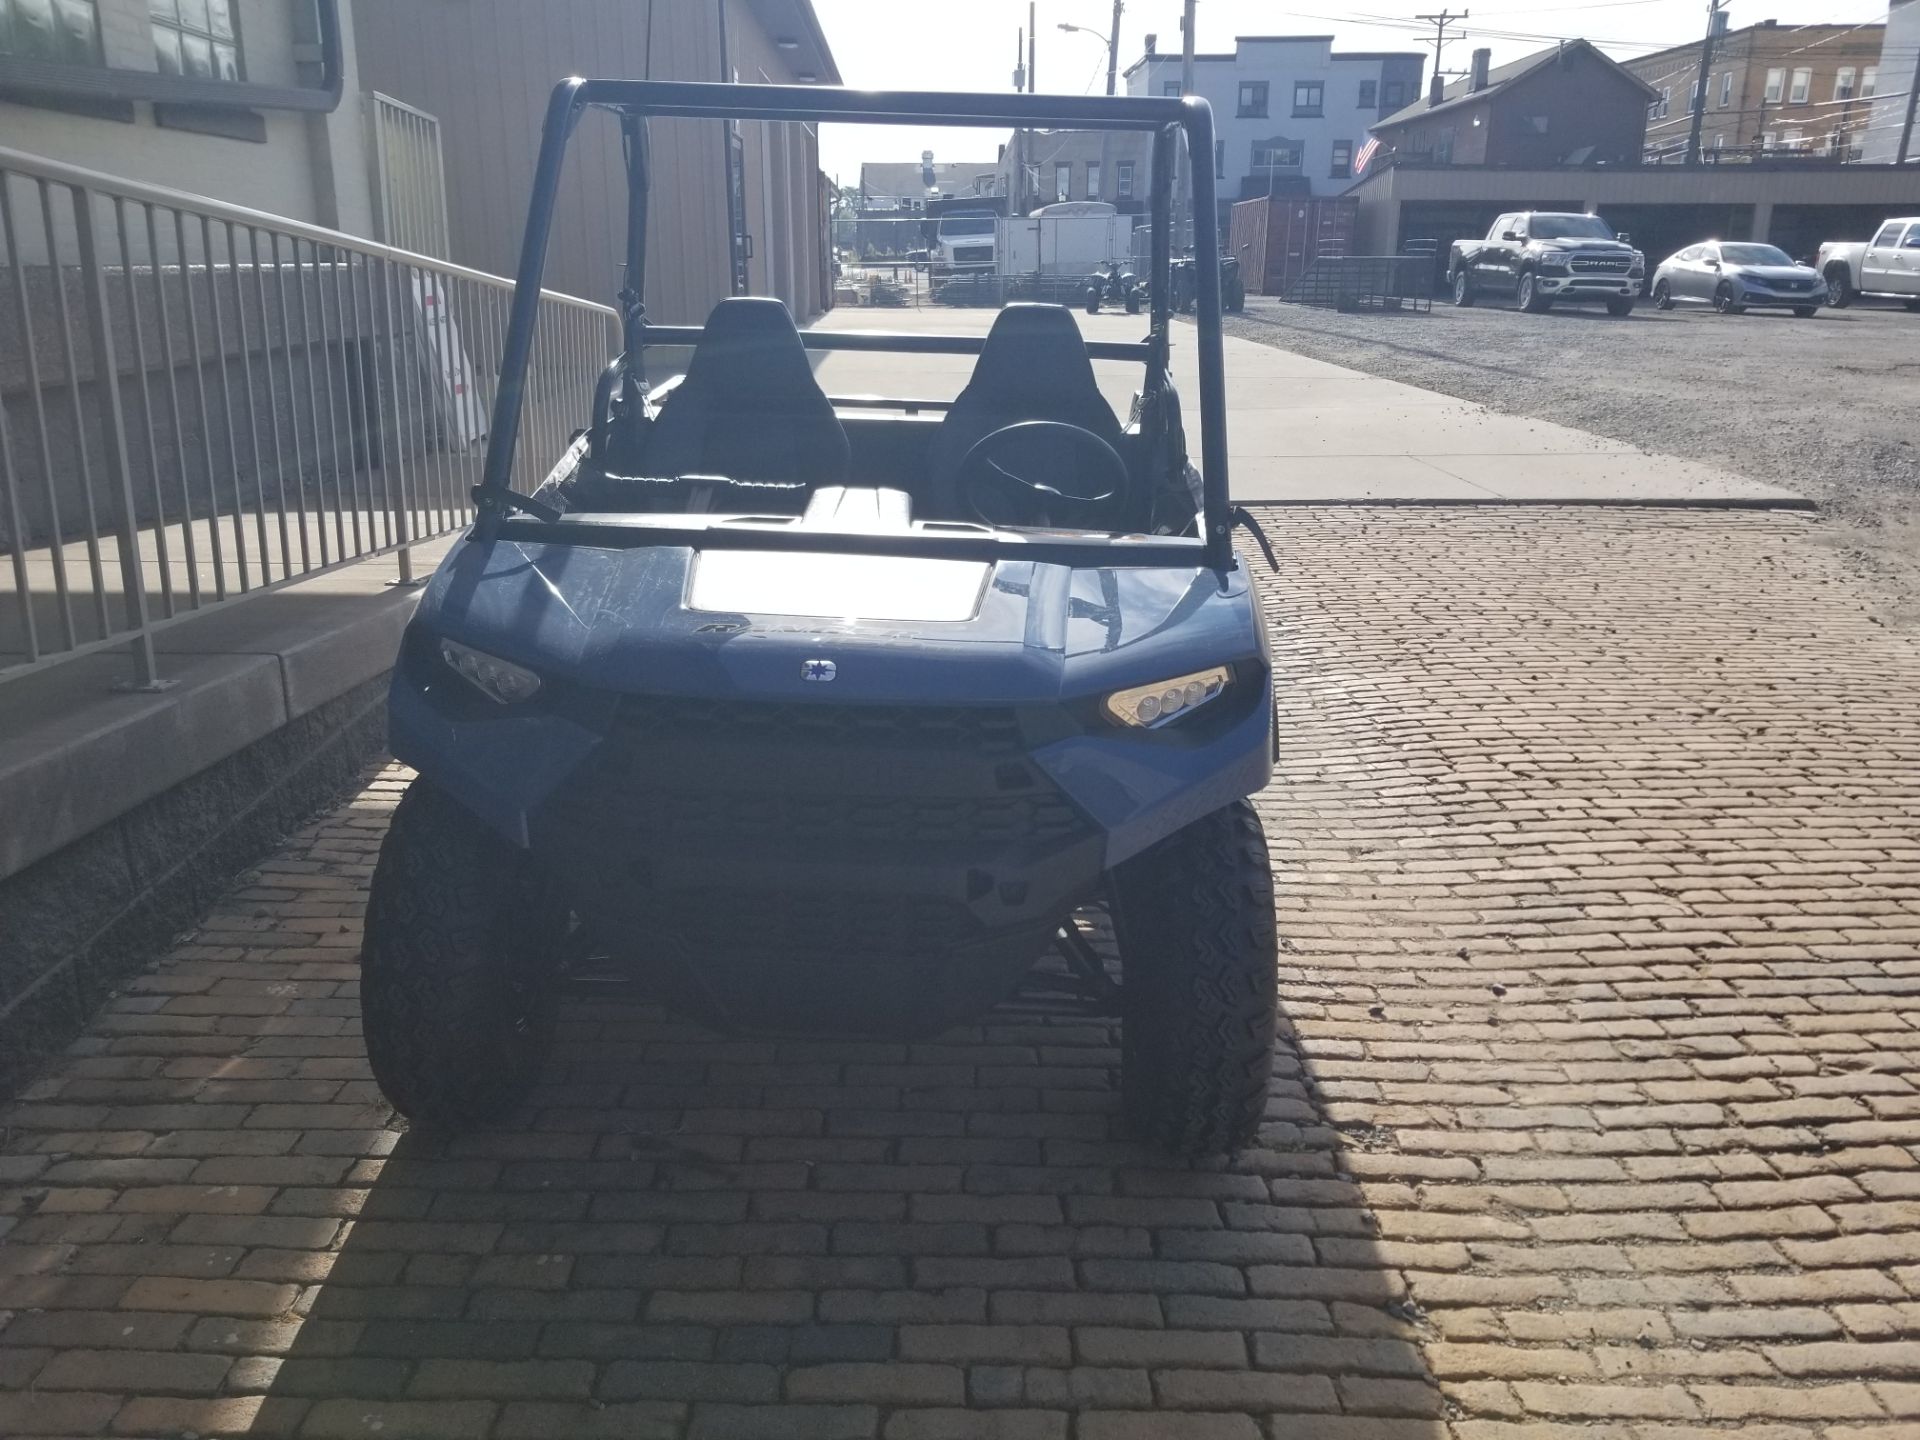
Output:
(834, 716)
(1186, 286)
(1114, 286)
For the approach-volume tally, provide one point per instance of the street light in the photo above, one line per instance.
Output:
(1086, 30)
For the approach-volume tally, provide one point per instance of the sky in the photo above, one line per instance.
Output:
(970, 44)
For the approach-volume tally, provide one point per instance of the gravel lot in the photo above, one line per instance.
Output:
(1824, 406)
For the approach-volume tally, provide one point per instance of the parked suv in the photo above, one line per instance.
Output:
(1540, 256)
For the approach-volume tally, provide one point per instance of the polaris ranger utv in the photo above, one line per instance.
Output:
(830, 714)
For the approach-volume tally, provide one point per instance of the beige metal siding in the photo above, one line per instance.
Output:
(486, 67)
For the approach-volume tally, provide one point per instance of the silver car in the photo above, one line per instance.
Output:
(1731, 275)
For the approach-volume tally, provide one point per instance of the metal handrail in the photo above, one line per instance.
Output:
(200, 402)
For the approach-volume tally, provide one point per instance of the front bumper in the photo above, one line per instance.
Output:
(1589, 287)
(1783, 299)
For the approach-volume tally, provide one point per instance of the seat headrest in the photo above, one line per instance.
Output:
(751, 347)
(1033, 354)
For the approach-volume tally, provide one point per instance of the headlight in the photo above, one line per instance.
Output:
(1147, 707)
(499, 680)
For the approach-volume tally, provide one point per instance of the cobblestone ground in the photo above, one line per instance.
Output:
(1600, 867)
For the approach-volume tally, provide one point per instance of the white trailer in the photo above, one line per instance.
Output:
(1075, 237)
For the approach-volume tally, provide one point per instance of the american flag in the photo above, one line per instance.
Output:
(1366, 153)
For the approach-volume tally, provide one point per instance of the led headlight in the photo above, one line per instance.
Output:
(499, 680)
(1146, 707)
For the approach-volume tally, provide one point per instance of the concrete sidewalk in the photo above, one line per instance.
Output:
(1302, 431)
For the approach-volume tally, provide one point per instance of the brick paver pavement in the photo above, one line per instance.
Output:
(1598, 835)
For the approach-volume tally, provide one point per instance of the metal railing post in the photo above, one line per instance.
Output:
(106, 372)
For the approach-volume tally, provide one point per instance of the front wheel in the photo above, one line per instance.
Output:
(1133, 302)
(459, 972)
(1193, 916)
(1462, 288)
(1620, 308)
(1662, 295)
(1840, 291)
(1533, 299)
(1806, 312)
(1093, 303)
(1726, 302)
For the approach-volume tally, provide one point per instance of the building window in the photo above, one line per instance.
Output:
(1170, 87)
(1719, 140)
(1063, 180)
(1395, 93)
(1693, 97)
(1726, 89)
(1342, 160)
(1869, 81)
(196, 38)
(1272, 155)
(1093, 180)
(1309, 97)
(1123, 180)
(1843, 83)
(1219, 159)
(1658, 109)
(1253, 97)
(1776, 86)
(1369, 94)
(1443, 146)
(1802, 84)
(64, 31)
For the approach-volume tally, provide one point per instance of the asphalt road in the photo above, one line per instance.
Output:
(1824, 406)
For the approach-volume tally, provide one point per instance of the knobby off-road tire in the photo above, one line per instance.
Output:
(1194, 920)
(459, 974)
(1619, 309)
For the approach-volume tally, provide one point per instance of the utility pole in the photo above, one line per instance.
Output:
(1693, 156)
(1440, 23)
(1113, 45)
(1033, 40)
(1186, 88)
(1017, 170)
(1906, 130)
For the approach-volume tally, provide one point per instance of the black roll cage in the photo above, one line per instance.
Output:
(634, 101)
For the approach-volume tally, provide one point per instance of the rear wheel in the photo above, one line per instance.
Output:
(1533, 299)
(1725, 301)
(1462, 287)
(1093, 302)
(1620, 307)
(1840, 291)
(1662, 295)
(1133, 302)
(459, 973)
(1194, 919)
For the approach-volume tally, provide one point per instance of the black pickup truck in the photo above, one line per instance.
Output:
(1540, 256)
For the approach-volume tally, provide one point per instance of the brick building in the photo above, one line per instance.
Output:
(1769, 87)
(1568, 105)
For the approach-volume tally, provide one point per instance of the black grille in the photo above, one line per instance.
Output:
(955, 730)
(974, 255)
(1610, 264)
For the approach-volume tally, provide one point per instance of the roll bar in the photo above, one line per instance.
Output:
(634, 101)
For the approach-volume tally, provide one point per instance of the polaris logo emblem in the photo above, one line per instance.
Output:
(818, 670)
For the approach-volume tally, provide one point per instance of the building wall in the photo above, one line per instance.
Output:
(1899, 71)
(1583, 104)
(1738, 72)
(308, 167)
(428, 53)
(1537, 119)
(1281, 62)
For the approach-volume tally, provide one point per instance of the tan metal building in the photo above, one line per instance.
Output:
(1771, 86)
(484, 68)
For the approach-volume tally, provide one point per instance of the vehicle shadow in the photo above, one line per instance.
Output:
(687, 1234)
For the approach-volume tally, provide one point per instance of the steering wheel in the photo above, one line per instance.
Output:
(997, 479)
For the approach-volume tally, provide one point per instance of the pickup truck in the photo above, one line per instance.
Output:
(1540, 256)
(1888, 264)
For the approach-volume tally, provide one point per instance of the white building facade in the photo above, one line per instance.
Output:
(1290, 112)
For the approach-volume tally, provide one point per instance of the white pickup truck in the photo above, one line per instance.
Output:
(1888, 264)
